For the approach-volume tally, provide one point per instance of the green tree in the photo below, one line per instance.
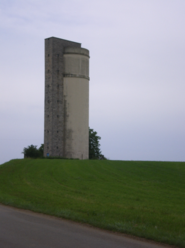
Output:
(32, 151)
(94, 145)
(41, 150)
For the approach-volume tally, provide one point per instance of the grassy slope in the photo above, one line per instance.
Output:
(146, 199)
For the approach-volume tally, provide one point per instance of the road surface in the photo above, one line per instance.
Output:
(25, 229)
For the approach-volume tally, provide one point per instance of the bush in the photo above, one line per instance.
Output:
(33, 152)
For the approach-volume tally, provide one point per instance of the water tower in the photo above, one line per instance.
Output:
(66, 120)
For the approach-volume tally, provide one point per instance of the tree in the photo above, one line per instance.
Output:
(33, 152)
(94, 145)
(41, 150)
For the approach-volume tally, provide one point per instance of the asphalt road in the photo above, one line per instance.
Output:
(24, 229)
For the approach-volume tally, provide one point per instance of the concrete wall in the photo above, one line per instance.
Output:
(76, 95)
(60, 99)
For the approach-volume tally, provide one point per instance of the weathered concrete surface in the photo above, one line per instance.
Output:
(66, 61)
(54, 102)
(76, 96)
(20, 229)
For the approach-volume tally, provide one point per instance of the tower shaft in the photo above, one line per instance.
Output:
(66, 121)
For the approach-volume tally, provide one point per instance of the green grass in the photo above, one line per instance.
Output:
(146, 199)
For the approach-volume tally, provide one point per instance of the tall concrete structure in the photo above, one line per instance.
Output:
(66, 121)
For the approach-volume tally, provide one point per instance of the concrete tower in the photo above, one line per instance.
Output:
(66, 121)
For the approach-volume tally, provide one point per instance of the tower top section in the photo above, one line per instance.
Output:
(64, 41)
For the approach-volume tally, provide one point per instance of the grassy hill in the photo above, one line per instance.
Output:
(146, 199)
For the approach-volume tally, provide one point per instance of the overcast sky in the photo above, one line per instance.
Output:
(137, 73)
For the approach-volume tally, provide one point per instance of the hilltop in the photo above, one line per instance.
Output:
(141, 198)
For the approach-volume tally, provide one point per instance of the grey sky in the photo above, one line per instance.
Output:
(137, 76)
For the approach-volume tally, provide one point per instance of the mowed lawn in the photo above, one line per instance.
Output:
(146, 199)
